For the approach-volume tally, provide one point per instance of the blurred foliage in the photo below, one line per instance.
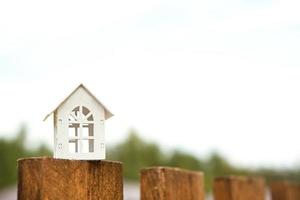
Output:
(10, 151)
(136, 153)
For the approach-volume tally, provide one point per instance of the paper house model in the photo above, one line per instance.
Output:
(79, 126)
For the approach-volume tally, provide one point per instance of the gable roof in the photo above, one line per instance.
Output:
(108, 114)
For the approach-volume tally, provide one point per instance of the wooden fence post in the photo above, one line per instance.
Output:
(239, 188)
(284, 190)
(57, 179)
(165, 183)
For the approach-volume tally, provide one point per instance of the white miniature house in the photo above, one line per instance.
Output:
(79, 126)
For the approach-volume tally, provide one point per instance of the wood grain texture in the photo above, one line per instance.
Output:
(161, 183)
(239, 188)
(284, 190)
(58, 179)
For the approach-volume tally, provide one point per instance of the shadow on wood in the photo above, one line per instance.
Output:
(239, 188)
(58, 179)
(284, 190)
(163, 183)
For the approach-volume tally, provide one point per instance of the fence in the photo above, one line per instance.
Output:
(56, 179)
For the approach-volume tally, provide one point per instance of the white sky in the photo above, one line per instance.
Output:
(198, 75)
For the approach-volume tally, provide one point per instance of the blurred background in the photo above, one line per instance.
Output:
(203, 85)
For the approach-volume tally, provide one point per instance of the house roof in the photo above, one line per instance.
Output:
(108, 114)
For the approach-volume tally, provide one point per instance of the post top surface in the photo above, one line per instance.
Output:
(66, 160)
(171, 169)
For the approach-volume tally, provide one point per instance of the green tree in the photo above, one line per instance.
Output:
(185, 160)
(11, 151)
(136, 154)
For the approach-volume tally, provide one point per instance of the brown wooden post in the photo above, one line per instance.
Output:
(284, 190)
(164, 183)
(58, 179)
(239, 188)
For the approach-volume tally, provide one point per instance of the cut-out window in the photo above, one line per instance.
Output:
(81, 130)
(73, 130)
(87, 130)
(87, 146)
(73, 146)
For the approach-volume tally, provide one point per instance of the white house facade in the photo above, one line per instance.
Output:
(79, 127)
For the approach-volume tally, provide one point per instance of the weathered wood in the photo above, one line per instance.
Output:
(58, 179)
(239, 188)
(162, 183)
(284, 190)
